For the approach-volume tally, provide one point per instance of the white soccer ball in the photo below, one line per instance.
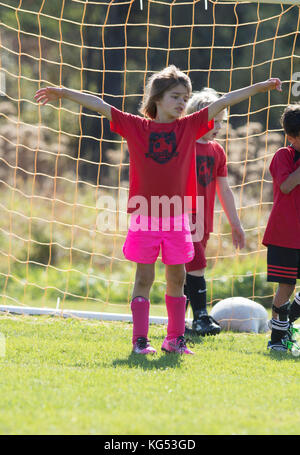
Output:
(239, 314)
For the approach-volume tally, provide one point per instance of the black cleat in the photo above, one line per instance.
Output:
(203, 325)
(277, 346)
(288, 342)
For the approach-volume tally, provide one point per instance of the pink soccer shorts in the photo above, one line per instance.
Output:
(146, 235)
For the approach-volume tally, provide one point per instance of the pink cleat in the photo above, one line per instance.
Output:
(142, 346)
(176, 345)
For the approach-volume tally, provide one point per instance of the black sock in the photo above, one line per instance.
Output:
(295, 309)
(280, 325)
(279, 329)
(196, 291)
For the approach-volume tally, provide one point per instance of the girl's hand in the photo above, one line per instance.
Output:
(271, 84)
(238, 236)
(44, 95)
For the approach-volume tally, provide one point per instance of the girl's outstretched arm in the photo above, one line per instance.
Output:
(231, 98)
(92, 102)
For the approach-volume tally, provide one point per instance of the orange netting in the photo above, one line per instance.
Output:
(58, 161)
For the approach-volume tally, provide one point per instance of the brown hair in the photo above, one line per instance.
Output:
(290, 120)
(158, 84)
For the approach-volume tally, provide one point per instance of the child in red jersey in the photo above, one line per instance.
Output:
(162, 165)
(211, 177)
(282, 235)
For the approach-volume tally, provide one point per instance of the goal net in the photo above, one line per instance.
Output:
(60, 244)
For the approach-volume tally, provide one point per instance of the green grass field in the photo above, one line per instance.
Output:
(68, 376)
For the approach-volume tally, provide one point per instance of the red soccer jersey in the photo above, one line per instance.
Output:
(162, 155)
(283, 228)
(211, 163)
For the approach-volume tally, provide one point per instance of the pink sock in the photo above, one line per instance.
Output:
(176, 316)
(140, 317)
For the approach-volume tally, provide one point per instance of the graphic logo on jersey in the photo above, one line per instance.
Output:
(205, 166)
(162, 147)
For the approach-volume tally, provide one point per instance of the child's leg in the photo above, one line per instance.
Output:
(175, 300)
(196, 290)
(280, 311)
(140, 303)
(282, 267)
(176, 303)
(283, 294)
(203, 324)
(144, 278)
(195, 287)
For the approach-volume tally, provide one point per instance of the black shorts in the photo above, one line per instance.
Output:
(283, 264)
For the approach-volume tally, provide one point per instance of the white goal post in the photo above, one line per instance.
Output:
(34, 311)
